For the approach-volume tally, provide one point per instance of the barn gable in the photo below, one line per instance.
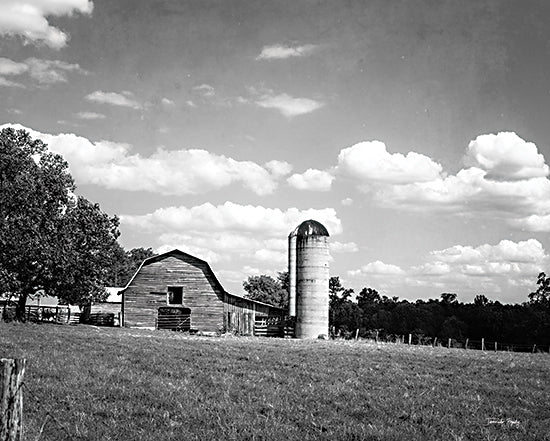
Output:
(176, 283)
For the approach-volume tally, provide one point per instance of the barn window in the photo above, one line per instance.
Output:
(175, 295)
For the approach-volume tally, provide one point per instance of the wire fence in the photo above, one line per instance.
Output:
(461, 343)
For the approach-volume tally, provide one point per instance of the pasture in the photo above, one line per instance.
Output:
(93, 383)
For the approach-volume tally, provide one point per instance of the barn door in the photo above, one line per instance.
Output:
(174, 319)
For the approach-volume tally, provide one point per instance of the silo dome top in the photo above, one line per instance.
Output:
(311, 228)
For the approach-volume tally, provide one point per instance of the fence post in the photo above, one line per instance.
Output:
(11, 399)
(449, 344)
(483, 344)
(435, 342)
(410, 338)
(534, 348)
(466, 346)
(496, 346)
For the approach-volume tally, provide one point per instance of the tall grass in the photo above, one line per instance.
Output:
(126, 384)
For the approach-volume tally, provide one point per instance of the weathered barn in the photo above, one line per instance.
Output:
(175, 290)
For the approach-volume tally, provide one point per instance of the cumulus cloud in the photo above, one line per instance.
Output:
(288, 105)
(230, 231)
(28, 19)
(505, 156)
(170, 172)
(504, 177)
(311, 179)
(124, 99)
(370, 162)
(468, 269)
(271, 222)
(377, 268)
(279, 51)
(278, 168)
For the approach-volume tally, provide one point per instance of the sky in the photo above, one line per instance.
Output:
(416, 131)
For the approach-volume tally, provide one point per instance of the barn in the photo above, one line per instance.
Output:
(178, 291)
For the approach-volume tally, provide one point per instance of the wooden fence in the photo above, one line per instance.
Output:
(51, 314)
(274, 327)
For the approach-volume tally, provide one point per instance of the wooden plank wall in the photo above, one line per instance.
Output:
(201, 294)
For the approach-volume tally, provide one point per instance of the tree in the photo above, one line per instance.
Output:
(266, 289)
(127, 264)
(90, 249)
(448, 298)
(49, 239)
(481, 301)
(35, 193)
(541, 296)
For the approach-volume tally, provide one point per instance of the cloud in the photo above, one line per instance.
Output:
(504, 178)
(44, 72)
(10, 67)
(124, 99)
(505, 156)
(343, 247)
(169, 172)
(311, 179)
(205, 90)
(347, 202)
(370, 162)
(90, 115)
(377, 268)
(51, 71)
(466, 269)
(27, 19)
(278, 51)
(288, 105)
(167, 102)
(8, 83)
(230, 231)
(278, 168)
(270, 222)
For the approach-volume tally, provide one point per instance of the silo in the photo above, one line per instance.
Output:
(312, 278)
(292, 273)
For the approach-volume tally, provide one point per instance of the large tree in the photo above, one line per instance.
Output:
(90, 248)
(49, 239)
(267, 289)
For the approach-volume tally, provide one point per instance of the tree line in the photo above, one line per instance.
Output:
(370, 314)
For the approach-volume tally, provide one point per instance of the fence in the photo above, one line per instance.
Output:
(40, 314)
(471, 344)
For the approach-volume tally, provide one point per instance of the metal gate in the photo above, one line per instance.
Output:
(174, 319)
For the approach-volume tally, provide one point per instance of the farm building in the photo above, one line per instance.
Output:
(175, 290)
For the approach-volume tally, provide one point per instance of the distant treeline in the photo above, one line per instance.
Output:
(370, 313)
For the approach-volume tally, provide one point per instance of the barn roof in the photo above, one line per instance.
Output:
(180, 255)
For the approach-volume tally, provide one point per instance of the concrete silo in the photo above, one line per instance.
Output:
(292, 273)
(312, 279)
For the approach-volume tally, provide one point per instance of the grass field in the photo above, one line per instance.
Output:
(125, 384)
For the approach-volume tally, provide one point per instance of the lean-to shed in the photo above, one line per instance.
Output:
(175, 290)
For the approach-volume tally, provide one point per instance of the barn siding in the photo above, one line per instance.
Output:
(201, 293)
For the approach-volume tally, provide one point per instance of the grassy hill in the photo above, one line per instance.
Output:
(125, 384)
